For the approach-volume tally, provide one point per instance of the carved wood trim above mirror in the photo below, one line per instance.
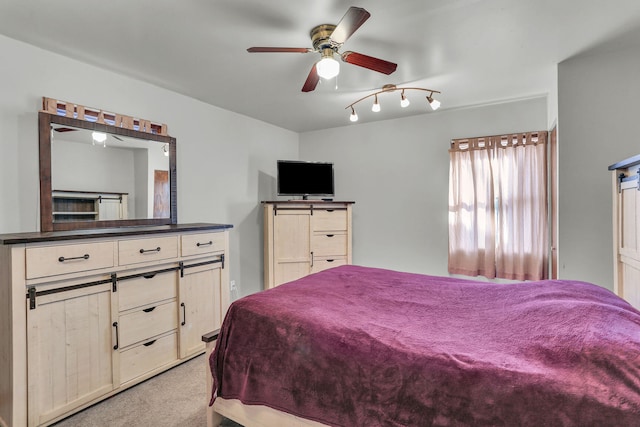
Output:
(47, 223)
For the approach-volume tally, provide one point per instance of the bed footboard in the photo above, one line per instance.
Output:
(213, 418)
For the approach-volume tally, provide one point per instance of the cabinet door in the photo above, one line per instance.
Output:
(200, 309)
(291, 245)
(109, 209)
(69, 346)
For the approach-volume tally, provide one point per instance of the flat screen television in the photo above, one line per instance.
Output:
(302, 178)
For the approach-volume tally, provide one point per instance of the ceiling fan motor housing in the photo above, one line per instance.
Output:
(321, 38)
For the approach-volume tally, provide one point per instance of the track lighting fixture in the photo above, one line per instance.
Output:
(435, 104)
(376, 105)
(404, 101)
(354, 116)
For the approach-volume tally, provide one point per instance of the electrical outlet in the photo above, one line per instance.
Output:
(232, 285)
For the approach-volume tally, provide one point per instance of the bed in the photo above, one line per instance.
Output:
(360, 346)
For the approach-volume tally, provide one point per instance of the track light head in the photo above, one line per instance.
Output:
(435, 104)
(376, 105)
(353, 117)
(404, 102)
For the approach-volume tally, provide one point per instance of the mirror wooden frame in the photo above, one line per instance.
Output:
(46, 203)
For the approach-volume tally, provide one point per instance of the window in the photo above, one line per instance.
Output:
(498, 207)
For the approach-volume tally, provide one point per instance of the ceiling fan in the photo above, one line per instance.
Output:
(327, 39)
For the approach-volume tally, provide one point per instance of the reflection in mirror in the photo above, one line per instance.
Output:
(99, 177)
(94, 175)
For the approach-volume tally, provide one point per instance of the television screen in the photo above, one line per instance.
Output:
(300, 178)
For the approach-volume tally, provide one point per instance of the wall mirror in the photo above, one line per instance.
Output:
(95, 175)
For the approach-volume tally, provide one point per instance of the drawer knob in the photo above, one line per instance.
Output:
(330, 235)
(144, 251)
(147, 344)
(63, 259)
(149, 310)
(209, 243)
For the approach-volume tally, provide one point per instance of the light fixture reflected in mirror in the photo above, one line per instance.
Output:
(99, 137)
(165, 149)
(404, 101)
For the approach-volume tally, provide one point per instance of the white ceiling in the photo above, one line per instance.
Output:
(473, 51)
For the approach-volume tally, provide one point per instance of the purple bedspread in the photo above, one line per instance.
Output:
(357, 346)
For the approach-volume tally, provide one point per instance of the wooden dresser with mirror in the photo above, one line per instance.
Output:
(91, 306)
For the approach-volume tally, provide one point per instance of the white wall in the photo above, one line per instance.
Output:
(397, 172)
(224, 160)
(598, 125)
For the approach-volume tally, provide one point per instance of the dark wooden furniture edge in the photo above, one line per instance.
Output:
(308, 202)
(211, 336)
(51, 236)
(626, 163)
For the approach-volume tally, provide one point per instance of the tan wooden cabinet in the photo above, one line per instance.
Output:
(69, 351)
(303, 237)
(626, 229)
(86, 316)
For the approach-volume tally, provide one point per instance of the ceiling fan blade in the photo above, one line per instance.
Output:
(375, 64)
(312, 80)
(350, 22)
(279, 49)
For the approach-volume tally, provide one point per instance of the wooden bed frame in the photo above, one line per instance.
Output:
(247, 415)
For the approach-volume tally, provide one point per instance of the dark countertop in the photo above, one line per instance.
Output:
(52, 236)
(626, 163)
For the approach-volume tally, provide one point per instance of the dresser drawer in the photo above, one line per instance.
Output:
(329, 220)
(202, 243)
(323, 263)
(146, 290)
(61, 259)
(141, 325)
(146, 357)
(329, 244)
(147, 250)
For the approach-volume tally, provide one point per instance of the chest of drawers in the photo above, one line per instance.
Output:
(86, 317)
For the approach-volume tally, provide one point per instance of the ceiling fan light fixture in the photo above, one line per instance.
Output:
(376, 105)
(328, 67)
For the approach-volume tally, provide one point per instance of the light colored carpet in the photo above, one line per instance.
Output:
(171, 399)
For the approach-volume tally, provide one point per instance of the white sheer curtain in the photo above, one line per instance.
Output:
(498, 207)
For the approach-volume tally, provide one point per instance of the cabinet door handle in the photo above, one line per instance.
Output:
(184, 314)
(209, 243)
(311, 259)
(115, 325)
(149, 310)
(144, 251)
(63, 259)
(147, 344)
